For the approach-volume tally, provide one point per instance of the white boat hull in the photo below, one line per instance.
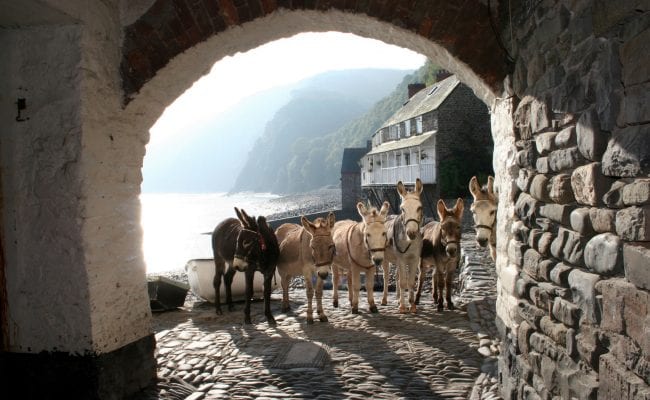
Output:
(200, 274)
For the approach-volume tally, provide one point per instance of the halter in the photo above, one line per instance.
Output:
(347, 243)
(401, 217)
(488, 227)
(313, 260)
(260, 241)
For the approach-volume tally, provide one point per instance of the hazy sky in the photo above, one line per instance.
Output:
(274, 64)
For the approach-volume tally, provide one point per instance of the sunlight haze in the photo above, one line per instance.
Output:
(275, 64)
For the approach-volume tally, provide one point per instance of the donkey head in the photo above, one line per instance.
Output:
(450, 226)
(484, 209)
(321, 243)
(411, 208)
(249, 242)
(374, 230)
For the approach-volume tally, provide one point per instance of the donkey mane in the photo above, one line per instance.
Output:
(272, 247)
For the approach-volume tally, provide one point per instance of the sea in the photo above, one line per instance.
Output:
(177, 227)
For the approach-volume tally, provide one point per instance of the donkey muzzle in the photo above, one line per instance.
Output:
(482, 241)
(323, 274)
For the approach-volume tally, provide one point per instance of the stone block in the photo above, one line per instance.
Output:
(566, 312)
(634, 52)
(526, 208)
(565, 159)
(603, 220)
(628, 152)
(637, 193)
(533, 237)
(523, 179)
(544, 269)
(560, 190)
(592, 142)
(571, 345)
(560, 213)
(523, 335)
(581, 222)
(523, 286)
(531, 263)
(583, 292)
(516, 251)
(560, 274)
(604, 254)
(530, 313)
(544, 345)
(617, 382)
(526, 158)
(589, 346)
(628, 353)
(589, 184)
(542, 166)
(626, 310)
(633, 224)
(566, 137)
(558, 243)
(573, 249)
(614, 196)
(545, 142)
(548, 372)
(544, 243)
(540, 117)
(555, 331)
(634, 107)
(636, 261)
(539, 188)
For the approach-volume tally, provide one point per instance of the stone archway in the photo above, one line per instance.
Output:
(573, 293)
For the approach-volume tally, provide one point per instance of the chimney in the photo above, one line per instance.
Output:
(414, 88)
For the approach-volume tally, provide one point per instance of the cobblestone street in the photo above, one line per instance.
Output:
(433, 355)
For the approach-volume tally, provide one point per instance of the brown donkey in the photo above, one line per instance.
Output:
(441, 252)
(306, 250)
(484, 211)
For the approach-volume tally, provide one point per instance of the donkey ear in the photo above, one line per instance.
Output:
(239, 216)
(361, 208)
(306, 224)
(474, 187)
(458, 209)
(250, 221)
(418, 186)
(442, 209)
(490, 187)
(384, 209)
(401, 189)
(331, 219)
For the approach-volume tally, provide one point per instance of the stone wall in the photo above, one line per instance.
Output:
(574, 300)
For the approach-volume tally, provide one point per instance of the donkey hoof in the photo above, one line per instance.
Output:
(384, 302)
(286, 308)
(413, 309)
(373, 309)
(402, 310)
(247, 320)
(335, 303)
(323, 318)
(271, 321)
(310, 321)
(439, 307)
(451, 306)
(355, 310)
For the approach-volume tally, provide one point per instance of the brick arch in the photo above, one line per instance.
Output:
(462, 31)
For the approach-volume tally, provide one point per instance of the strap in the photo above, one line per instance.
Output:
(348, 237)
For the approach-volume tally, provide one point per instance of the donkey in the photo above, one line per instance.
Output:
(484, 211)
(405, 246)
(245, 245)
(441, 252)
(306, 250)
(359, 248)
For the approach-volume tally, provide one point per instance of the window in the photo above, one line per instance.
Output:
(398, 159)
(418, 124)
(407, 128)
(407, 159)
(399, 131)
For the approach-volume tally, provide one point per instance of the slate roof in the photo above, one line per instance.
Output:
(427, 99)
(403, 143)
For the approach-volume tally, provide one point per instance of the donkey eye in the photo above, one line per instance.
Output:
(383, 234)
(492, 212)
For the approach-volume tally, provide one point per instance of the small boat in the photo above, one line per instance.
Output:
(200, 274)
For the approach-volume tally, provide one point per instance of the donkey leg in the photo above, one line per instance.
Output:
(402, 279)
(440, 282)
(309, 287)
(268, 288)
(370, 286)
(354, 286)
(449, 277)
(421, 277)
(284, 281)
(413, 276)
(227, 280)
(250, 272)
(336, 281)
(216, 283)
(386, 268)
(319, 300)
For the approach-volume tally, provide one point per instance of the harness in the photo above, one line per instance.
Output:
(491, 229)
(370, 251)
(403, 227)
(260, 241)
